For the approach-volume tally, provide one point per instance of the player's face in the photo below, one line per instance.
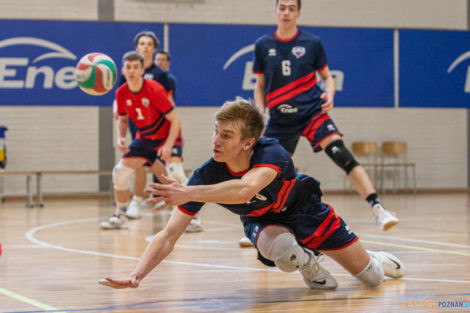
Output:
(287, 12)
(146, 47)
(133, 71)
(227, 142)
(162, 61)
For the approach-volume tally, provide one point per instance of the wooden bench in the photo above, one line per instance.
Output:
(39, 175)
(29, 193)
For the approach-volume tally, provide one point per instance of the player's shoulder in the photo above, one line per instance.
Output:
(122, 89)
(266, 146)
(307, 36)
(265, 39)
(154, 85)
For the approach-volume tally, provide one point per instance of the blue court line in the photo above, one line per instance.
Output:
(234, 303)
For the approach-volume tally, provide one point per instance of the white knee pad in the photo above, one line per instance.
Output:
(175, 171)
(286, 253)
(372, 275)
(121, 175)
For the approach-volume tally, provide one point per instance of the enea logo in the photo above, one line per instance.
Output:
(22, 73)
(457, 61)
(249, 79)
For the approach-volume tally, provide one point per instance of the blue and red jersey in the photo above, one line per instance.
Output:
(290, 67)
(282, 193)
(147, 109)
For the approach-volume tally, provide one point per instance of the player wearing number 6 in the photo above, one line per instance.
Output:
(286, 63)
(146, 103)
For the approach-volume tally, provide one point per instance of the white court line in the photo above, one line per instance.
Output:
(429, 242)
(30, 236)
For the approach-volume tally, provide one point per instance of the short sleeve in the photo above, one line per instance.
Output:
(192, 208)
(160, 99)
(258, 59)
(121, 108)
(320, 56)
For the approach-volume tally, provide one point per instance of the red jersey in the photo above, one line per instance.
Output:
(147, 109)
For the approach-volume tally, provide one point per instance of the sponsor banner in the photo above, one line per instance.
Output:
(37, 58)
(213, 63)
(434, 69)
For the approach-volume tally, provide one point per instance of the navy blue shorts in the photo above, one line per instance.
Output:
(146, 149)
(177, 149)
(317, 129)
(313, 223)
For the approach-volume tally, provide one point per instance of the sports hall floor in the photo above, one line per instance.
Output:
(54, 256)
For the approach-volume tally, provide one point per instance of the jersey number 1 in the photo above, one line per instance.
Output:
(286, 67)
(140, 116)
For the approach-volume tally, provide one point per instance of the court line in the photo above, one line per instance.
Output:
(29, 301)
(221, 302)
(30, 236)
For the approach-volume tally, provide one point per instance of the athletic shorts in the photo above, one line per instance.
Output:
(313, 223)
(144, 148)
(177, 149)
(315, 130)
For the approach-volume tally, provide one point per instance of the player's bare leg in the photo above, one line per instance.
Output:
(133, 211)
(361, 182)
(121, 175)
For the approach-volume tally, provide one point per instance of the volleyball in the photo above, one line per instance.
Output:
(96, 73)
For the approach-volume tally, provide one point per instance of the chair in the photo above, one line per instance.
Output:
(394, 158)
(367, 153)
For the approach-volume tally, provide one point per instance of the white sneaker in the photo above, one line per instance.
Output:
(391, 265)
(384, 218)
(114, 222)
(195, 226)
(133, 211)
(244, 242)
(316, 276)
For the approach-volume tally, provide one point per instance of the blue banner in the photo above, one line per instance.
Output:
(434, 69)
(213, 63)
(37, 58)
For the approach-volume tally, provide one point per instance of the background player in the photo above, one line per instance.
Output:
(286, 63)
(175, 166)
(281, 211)
(146, 103)
(146, 44)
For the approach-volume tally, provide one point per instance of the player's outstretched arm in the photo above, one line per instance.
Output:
(229, 192)
(156, 251)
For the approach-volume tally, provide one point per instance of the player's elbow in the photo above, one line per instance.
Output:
(247, 193)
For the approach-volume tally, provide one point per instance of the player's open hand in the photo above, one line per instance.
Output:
(121, 143)
(121, 283)
(164, 152)
(167, 195)
(328, 104)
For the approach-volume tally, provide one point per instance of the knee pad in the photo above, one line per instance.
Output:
(286, 253)
(176, 172)
(341, 155)
(121, 175)
(372, 275)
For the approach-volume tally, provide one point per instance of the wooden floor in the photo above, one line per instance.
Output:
(53, 258)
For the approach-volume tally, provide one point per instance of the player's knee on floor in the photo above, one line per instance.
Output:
(372, 275)
(286, 253)
(176, 172)
(341, 155)
(121, 175)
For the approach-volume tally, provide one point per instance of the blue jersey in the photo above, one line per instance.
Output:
(282, 194)
(289, 68)
(172, 81)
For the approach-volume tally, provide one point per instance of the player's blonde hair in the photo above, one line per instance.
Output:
(246, 114)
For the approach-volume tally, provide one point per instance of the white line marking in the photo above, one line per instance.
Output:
(30, 236)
